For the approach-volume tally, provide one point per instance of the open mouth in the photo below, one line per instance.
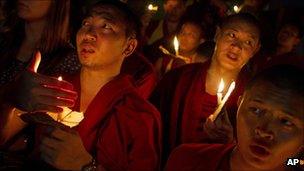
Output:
(259, 151)
(232, 56)
(87, 50)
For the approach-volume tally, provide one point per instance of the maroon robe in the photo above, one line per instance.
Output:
(120, 128)
(175, 63)
(142, 72)
(185, 105)
(197, 157)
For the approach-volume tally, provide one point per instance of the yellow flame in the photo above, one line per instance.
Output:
(236, 8)
(176, 45)
(60, 78)
(221, 86)
(150, 7)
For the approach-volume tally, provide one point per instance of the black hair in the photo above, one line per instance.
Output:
(195, 21)
(130, 19)
(285, 77)
(242, 17)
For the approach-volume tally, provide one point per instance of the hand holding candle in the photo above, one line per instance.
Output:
(67, 116)
(222, 101)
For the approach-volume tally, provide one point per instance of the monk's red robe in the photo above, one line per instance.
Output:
(197, 157)
(142, 72)
(120, 128)
(185, 105)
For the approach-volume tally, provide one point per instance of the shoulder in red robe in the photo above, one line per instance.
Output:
(197, 157)
(142, 72)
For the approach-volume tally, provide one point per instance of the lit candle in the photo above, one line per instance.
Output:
(220, 91)
(67, 117)
(176, 45)
(221, 105)
(236, 8)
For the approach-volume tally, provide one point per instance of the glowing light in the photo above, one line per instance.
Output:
(221, 105)
(220, 91)
(236, 8)
(59, 78)
(176, 45)
(152, 8)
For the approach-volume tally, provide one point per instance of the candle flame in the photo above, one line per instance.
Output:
(60, 78)
(152, 8)
(176, 45)
(221, 86)
(236, 8)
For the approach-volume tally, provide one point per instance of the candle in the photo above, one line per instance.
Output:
(176, 45)
(220, 91)
(221, 105)
(67, 117)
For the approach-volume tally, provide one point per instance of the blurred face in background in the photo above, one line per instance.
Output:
(190, 37)
(288, 36)
(174, 9)
(31, 10)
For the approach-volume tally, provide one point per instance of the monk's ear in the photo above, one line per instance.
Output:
(130, 47)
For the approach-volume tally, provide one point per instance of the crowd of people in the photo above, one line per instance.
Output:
(145, 76)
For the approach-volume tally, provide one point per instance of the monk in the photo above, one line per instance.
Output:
(120, 130)
(186, 97)
(270, 128)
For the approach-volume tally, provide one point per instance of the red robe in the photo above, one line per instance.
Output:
(185, 106)
(120, 128)
(197, 157)
(175, 63)
(142, 72)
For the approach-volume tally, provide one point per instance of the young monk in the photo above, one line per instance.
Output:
(191, 34)
(270, 128)
(120, 130)
(187, 96)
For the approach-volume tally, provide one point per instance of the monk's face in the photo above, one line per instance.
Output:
(102, 40)
(270, 126)
(236, 43)
(190, 37)
(288, 36)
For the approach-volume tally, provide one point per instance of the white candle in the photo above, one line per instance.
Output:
(219, 108)
(220, 91)
(176, 45)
